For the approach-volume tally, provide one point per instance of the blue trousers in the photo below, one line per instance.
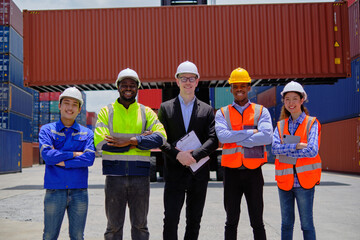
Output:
(304, 200)
(56, 202)
(121, 191)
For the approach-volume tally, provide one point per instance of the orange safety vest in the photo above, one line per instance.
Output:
(233, 154)
(308, 170)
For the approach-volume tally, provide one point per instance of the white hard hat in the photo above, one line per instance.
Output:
(294, 87)
(187, 67)
(72, 92)
(127, 73)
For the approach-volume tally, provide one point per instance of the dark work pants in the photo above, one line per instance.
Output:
(121, 191)
(250, 183)
(174, 197)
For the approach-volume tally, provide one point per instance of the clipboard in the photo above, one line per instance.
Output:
(254, 152)
(190, 142)
(288, 139)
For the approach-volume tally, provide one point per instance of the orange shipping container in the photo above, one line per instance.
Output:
(27, 154)
(340, 146)
(272, 41)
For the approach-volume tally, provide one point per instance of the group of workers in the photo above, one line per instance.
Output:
(126, 131)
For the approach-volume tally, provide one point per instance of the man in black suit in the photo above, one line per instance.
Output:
(180, 116)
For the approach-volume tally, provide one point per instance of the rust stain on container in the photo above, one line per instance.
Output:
(272, 41)
(340, 146)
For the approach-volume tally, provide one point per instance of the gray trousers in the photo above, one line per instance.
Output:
(121, 191)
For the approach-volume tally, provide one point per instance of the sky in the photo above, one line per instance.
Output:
(95, 100)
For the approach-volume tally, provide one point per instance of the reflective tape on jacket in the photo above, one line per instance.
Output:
(120, 122)
(308, 170)
(233, 154)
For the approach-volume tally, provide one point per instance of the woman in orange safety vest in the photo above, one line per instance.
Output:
(296, 143)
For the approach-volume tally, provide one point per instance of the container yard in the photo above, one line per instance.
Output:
(43, 52)
(38, 60)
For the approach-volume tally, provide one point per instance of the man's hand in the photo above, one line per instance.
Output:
(120, 142)
(77, 154)
(146, 133)
(62, 164)
(185, 158)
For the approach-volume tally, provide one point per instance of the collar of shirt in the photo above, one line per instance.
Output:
(186, 111)
(240, 108)
(132, 106)
(182, 102)
(60, 126)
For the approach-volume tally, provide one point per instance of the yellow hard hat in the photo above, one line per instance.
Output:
(239, 75)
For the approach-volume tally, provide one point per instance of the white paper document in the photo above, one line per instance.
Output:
(190, 142)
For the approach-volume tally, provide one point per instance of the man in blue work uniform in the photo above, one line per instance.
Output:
(125, 132)
(68, 150)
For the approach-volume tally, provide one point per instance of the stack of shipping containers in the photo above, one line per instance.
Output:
(15, 100)
(338, 108)
(46, 110)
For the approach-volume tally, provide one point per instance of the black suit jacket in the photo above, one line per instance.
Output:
(202, 121)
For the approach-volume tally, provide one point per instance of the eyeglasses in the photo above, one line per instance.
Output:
(185, 79)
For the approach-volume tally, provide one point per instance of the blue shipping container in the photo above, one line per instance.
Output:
(44, 118)
(15, 99)
(36, 119)
(11, 70)
(54, 117)
(11, 42)
(45, 107)
(10, 151)
(330, 103)
(13, 121)
(212, 97)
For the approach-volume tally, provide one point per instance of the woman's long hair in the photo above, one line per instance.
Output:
(286, 114)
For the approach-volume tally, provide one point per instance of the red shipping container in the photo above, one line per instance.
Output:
(150, 97)
(340, 146)
(267, 98)
(354, 30)
(11, 15)
(45, 96)
(351, 2)
(91, 118)
(54, 96)
(36, 153)
(271, 41)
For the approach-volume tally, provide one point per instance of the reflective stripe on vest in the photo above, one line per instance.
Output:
(233, 154)
(111, 118)
(116, 156)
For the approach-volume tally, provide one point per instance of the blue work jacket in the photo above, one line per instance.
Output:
(57, 144)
